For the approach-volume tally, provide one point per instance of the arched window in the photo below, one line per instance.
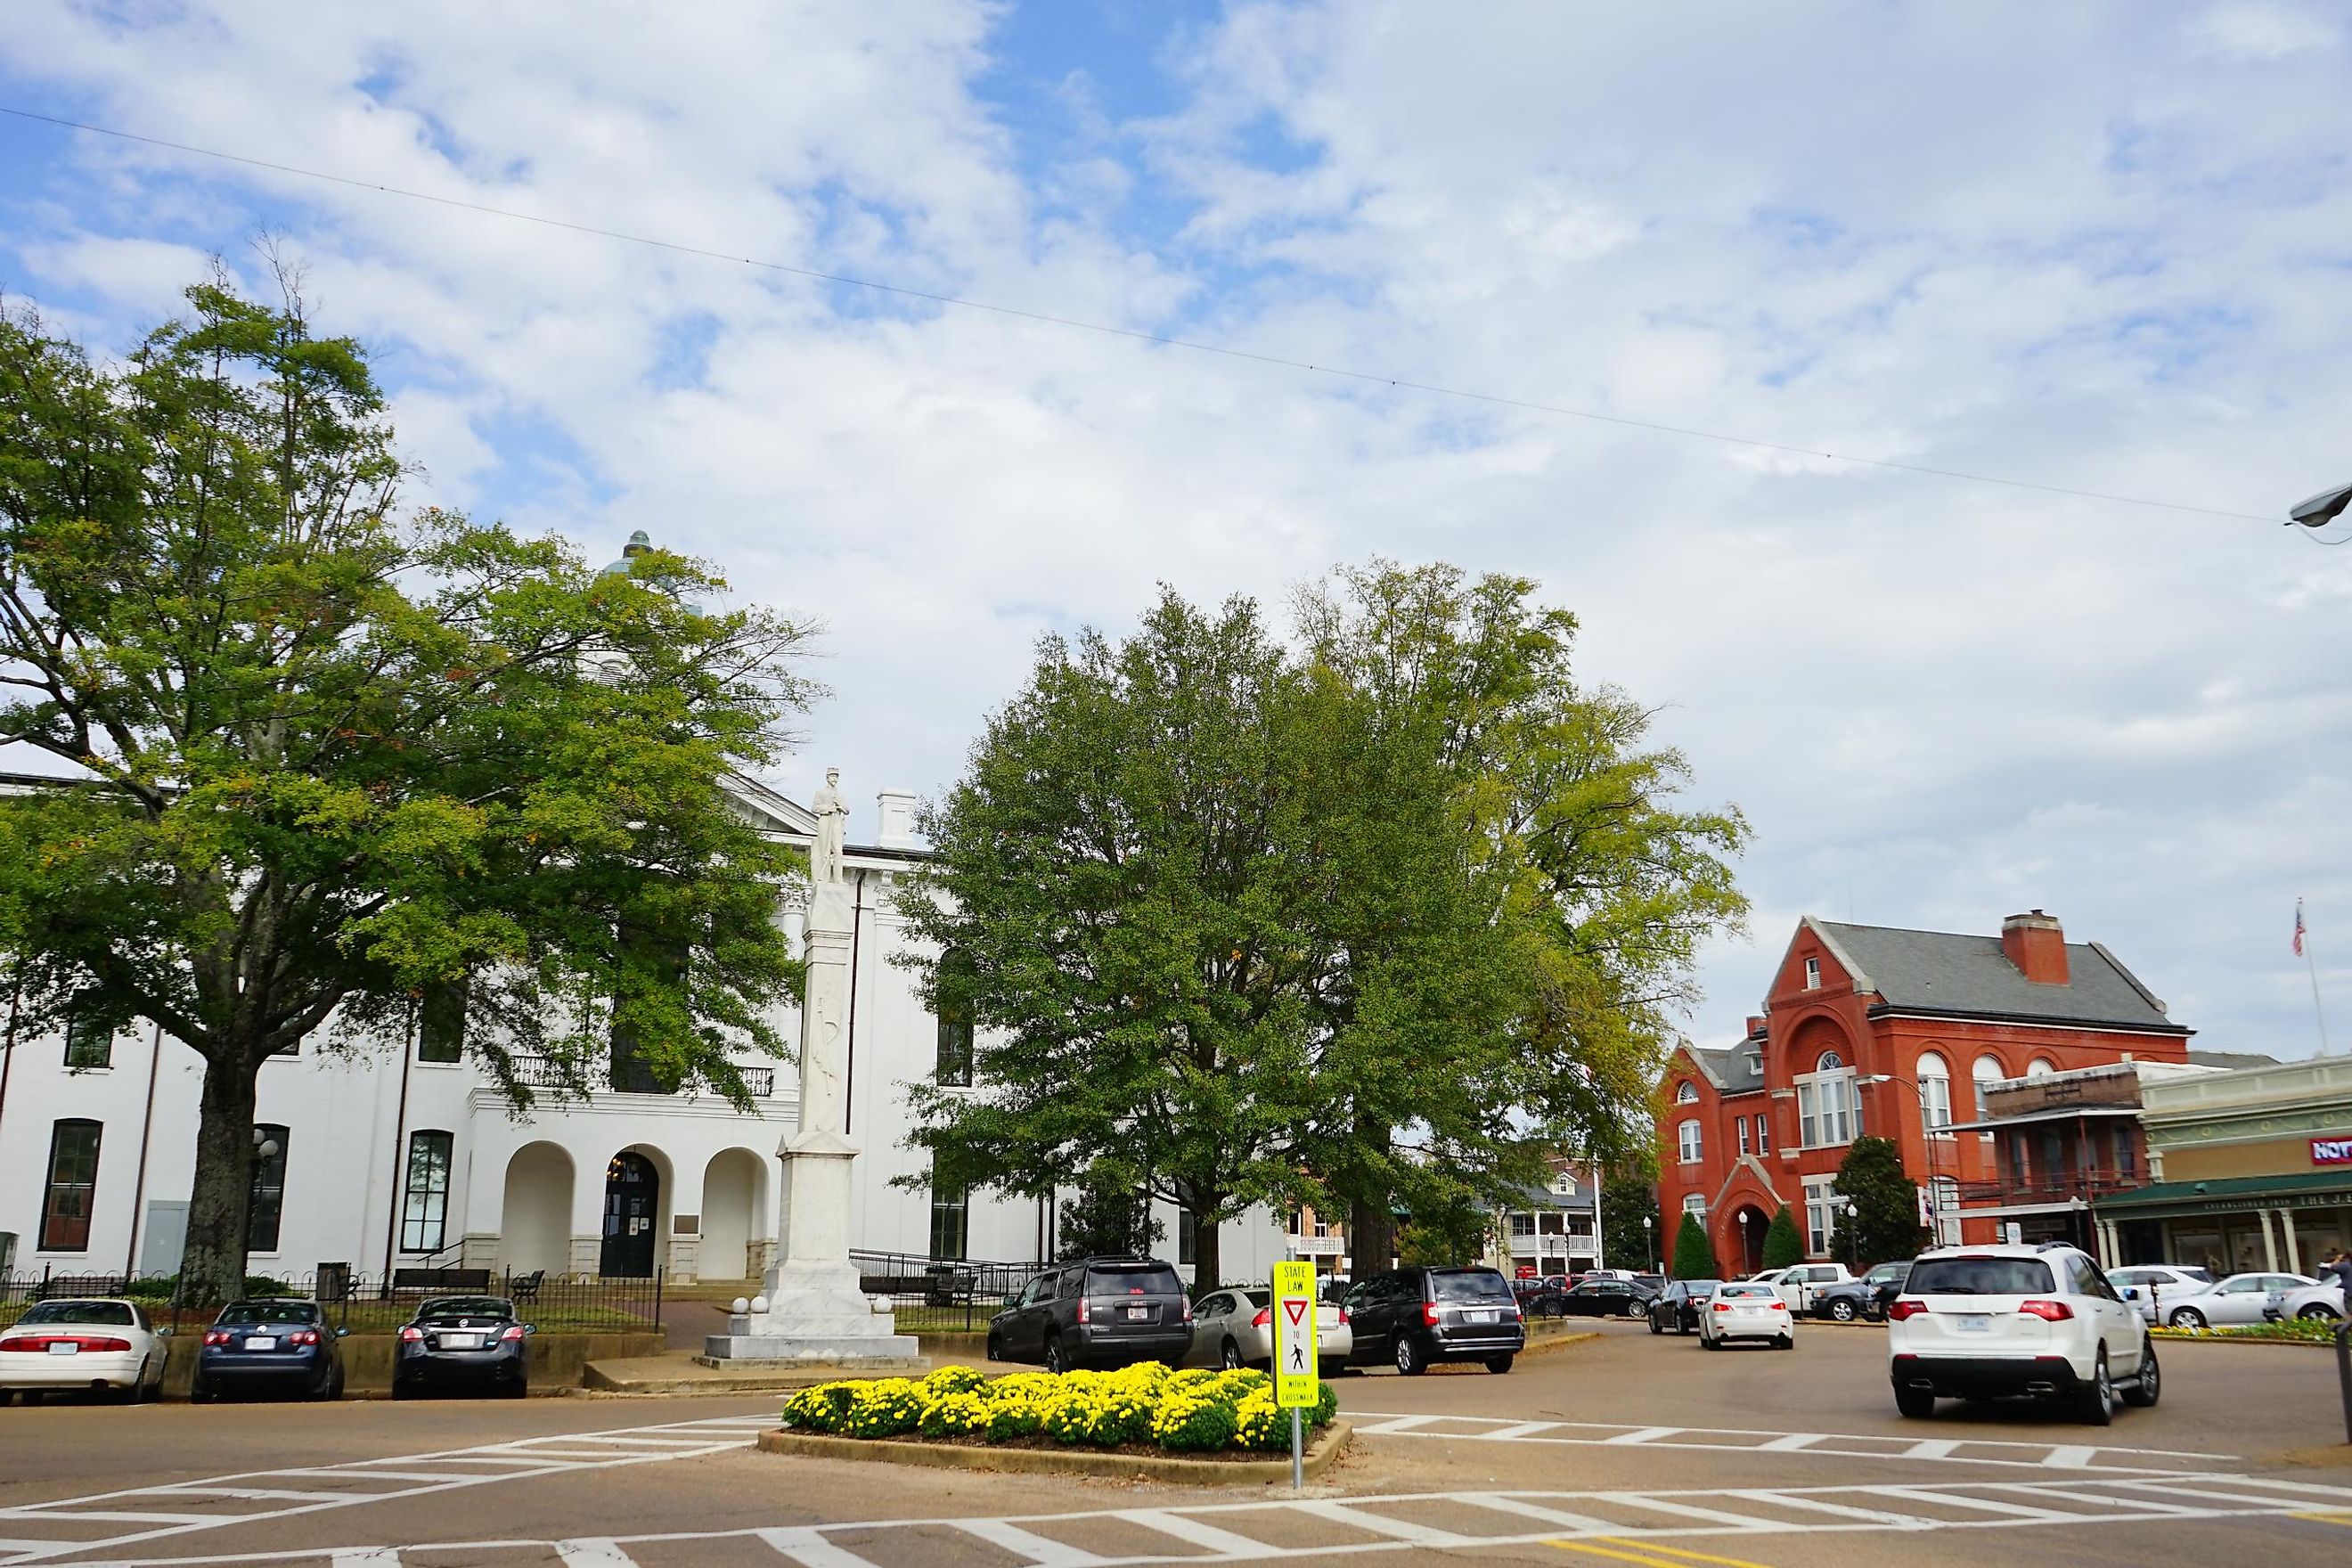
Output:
(1687, 1136)
(1934, 1078)
(1830, 1061)
(953, 1064)
(2041, 1066)
(1827, 1115)
(1686, 1093)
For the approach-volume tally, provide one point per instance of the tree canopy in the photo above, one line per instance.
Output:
(1693, 1255)
(1386, 916)
(344, 763)
(1886, 1222)
(1784, 1244)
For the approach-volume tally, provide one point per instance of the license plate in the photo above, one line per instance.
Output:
(461, 1341)
(1971, 1323)
(1479, 1317)
(261, 1342)
(1137, 1314)
(63, 1347)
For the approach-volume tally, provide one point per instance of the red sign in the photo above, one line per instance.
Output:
(1296, 1308)
(1526, 1271)
(2331, 1151)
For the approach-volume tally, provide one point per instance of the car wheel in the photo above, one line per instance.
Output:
(1057, 1360)
(995, 1348)
(2098, 1400)
(1656, 1326)
(2317, 1310)
(1708, 1341)
(1554, 1310)
(519, 1389)
(200, 1392)
(1498, 1364)
(1916, 1403)
(335, 1384)
(1329, 1370)
(1233, 1357)
(402, 1389)
(1409, 1359)
(1785, 1342)
(2186, 1318)
(2148, 1383)
(1841, 1310)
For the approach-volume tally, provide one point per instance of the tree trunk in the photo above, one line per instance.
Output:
(1205, 1262)
(1372, 1237)
(212, 1268)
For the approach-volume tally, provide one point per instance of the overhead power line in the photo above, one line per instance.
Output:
(1158, 340)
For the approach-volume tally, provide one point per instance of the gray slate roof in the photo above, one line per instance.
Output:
(1944, 971)
(1736, 1070)
(2231, 1059)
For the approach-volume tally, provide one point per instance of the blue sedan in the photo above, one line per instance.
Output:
(281, 1345)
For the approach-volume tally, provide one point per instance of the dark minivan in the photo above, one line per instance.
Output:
(1097, 1311)
(1412, 1317)
(282, 1344)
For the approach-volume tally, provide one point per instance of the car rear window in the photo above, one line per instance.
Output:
(466, 1307)
(1980, 1277)
(1132, 1280)
(269, 1312)
(1761, 1292)
(116, 1314)
(1468, 1285)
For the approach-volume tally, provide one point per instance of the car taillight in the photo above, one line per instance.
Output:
(1429, 1313)
(1188, 1307)
(1343, 1317)
(1723, 1306)
(1898, 1310)
(1082, 1310)
(411, 1332)
(2048, 1311)
(217, 1336)
(303, 1337)
(1265, 1316)
(95, 1343)
(513, 1331)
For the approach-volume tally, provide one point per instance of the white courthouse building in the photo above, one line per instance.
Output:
(402, 1157)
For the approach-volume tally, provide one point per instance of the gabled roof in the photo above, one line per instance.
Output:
(1953, 974)
(1740, 1069)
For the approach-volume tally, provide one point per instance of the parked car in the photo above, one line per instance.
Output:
(1797, 1283)
(2311, 1301)
(1745, 1310)
(1844, 1301)
(1984, 1322)
(2152, 1287)
(2238, 1299)
(104, 1346)
(463, 1342)
(1596, 1297)
(1413, 1317)
(1095, 1311)
(1680, 1305)
(277, 1344)
(1236, 1329)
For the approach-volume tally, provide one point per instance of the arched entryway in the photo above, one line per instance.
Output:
(632, 1217)
(1748, 1226)
(731, 1188)
(535, 1218)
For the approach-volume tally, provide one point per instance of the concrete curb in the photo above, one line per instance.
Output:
(1553, 1341)
(1207, 1472)
(2179, 1337)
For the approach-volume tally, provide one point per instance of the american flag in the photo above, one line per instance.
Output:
(2298, 928)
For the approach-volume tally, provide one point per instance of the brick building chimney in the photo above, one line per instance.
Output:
(2036, 944)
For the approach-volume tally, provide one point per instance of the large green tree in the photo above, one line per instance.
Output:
(1629, 1195)
(346, 764)
(1884, 1223)
(1784, 1244)
(1693, 1253)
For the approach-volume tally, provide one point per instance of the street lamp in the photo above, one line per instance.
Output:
(1928, 1134)
(264, 1147)
(2321, 510)
(1648, 1225)
(1852, 1242)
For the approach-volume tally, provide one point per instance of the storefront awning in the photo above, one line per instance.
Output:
(2230, 1194)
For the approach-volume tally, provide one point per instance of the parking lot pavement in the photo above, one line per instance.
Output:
(1625, 1448)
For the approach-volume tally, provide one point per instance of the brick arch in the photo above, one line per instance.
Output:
(1737, 1225)
(1813, 1036)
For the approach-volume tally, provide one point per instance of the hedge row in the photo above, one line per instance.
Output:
(1194, 1411)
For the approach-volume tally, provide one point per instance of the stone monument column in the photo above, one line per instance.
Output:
(814, 1310)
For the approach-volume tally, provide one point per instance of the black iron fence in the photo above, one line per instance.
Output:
(930, 1295)
(377, 1303)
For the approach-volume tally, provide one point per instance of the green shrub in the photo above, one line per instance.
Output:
(823, 1408)
(885, 1408)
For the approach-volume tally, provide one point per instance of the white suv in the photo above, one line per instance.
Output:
(1978, 1323)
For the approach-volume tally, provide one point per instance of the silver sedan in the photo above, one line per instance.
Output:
(1236, 1329)
(2240, 1299)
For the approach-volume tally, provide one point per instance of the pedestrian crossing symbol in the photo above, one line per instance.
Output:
(1294, 1366)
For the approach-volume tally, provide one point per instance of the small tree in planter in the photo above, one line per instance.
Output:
(1694, 1257)
(1783, 1243)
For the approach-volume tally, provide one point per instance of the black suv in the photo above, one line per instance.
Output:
(1097, 1311)
(1417, 1316)
(1865, 1297)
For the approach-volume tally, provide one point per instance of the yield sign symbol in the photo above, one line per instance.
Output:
(1296, 1309)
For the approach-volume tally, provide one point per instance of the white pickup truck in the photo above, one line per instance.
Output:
(1797, 1283)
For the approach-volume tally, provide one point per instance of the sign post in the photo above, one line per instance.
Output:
(1297, 1372)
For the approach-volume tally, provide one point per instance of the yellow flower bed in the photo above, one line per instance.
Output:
(1194, 1411)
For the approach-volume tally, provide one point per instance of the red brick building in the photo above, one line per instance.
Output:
(1889, 1032)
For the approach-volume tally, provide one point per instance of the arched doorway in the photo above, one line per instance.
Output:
(1748, 1227)
(730, 1209)
(535, 1219)
(632, 1217)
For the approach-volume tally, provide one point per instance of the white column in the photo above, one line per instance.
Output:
(2270, 1248)
(2286, 1231)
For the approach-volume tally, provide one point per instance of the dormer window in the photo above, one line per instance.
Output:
(1686, 1093)
(1812, 974)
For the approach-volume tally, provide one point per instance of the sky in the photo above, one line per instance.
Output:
(2105, 247)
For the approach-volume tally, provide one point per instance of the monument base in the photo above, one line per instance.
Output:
(815, 1313)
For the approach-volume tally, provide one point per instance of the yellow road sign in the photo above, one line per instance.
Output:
(1294, 1366)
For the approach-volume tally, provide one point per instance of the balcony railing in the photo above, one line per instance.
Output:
(2057, 1187)
(545, 1072)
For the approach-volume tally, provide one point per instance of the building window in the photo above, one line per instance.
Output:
(1935, 1081)
(1294, 1221)
(1523, 1224)
(1820, 1205)
(1763, 1134)
(2041, 1066)
(1987, 1072)
(1948, 1211)
(425, 1195)
(1812, 974)
(441, 1023)
(90, 1045)
(1825, 1108)
(2127, 1157)
(1741, 1122)
(954, 1063)
(1695, 1206)
(1187, 1236)
(268, 1187)
(1686, 1093)
(1687, 1135)
(951, 1215)
(72, 1195)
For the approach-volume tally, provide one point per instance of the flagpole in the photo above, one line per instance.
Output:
(2303, 940)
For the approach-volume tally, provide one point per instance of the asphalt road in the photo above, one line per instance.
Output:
(1628, 1449)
